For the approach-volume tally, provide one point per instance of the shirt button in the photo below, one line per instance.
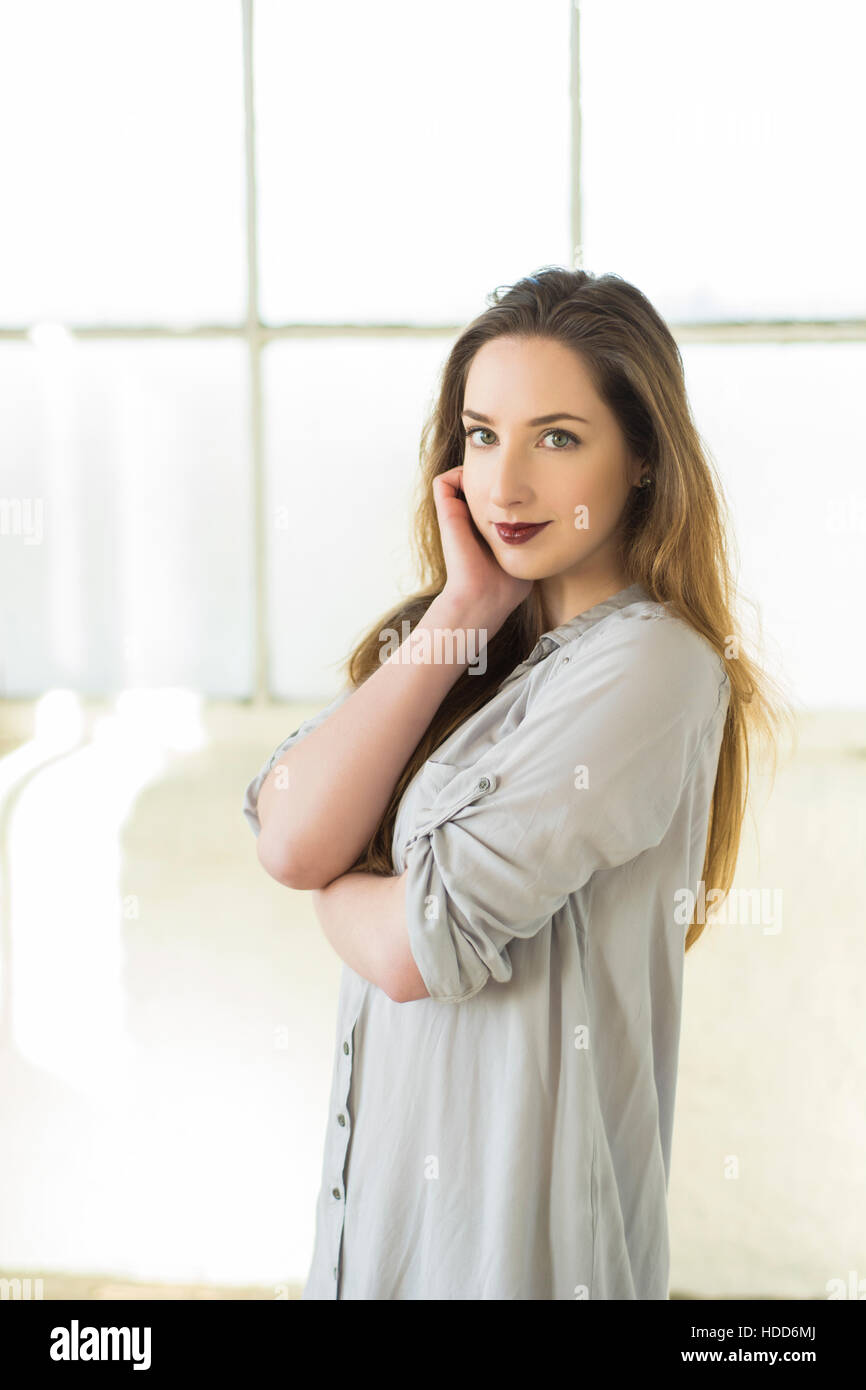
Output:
(346, 1048)
(341, 1119)
(565, 660)
(484, 784)
(335, 1191)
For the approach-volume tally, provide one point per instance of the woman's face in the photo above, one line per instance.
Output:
(573, 474)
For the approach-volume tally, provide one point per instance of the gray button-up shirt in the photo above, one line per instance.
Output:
(509, 1137)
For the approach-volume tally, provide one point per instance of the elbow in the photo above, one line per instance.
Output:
(407, 991)
(405, 984)
(397, 990)
(289, 870)
(400, 995)
(393, 992)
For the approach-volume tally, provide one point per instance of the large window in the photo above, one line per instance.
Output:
(240, 238)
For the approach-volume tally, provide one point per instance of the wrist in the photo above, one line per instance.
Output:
(453, 611)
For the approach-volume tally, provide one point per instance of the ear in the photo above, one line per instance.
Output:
(635, 469)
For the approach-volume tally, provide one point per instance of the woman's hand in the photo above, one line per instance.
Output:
(475, 576)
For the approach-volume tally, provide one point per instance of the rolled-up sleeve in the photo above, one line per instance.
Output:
(590, 778)
(251, 795)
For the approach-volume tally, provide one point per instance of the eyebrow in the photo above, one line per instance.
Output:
(539, 419)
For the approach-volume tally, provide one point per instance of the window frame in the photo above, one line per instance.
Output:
(257, 335)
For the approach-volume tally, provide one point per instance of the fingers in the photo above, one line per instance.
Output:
(450, 483)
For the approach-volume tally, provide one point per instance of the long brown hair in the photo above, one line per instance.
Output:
(672, 534)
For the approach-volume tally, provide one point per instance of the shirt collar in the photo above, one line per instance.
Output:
(575, 627)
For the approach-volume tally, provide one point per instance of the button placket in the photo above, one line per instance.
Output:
(337, 1190)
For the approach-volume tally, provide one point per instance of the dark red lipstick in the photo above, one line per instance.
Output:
(516, 535)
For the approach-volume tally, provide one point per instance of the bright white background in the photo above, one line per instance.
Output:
(219, 339)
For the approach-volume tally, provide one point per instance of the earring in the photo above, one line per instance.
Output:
(645, 480)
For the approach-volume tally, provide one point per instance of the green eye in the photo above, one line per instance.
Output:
(481, 429)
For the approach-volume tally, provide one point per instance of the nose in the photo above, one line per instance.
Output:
(509, 485)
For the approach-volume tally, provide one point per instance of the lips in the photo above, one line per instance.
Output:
(515, 535)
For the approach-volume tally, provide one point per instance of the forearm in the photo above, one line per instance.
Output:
(364, 918)
(340, 778)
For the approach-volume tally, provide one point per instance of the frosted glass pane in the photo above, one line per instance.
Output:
(721, 145)
(121, 162)
(126, 554)
(785, 427)
(343, 426)
(409, 158)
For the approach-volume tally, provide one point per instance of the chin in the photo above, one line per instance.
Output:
(518, 559)
(529, 569)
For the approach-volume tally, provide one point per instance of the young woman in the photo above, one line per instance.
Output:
(501, 817)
